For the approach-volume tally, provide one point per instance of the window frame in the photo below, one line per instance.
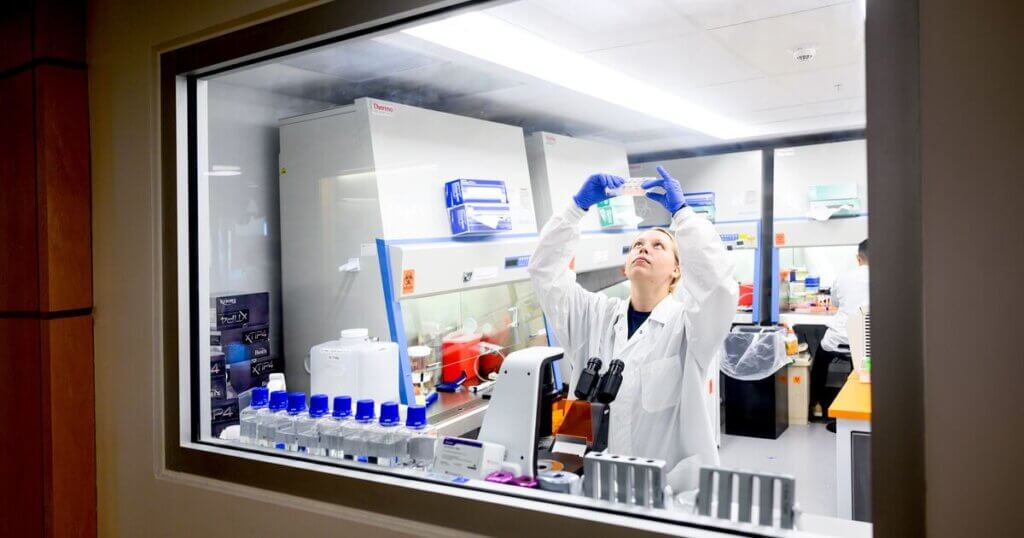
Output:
(430, 502)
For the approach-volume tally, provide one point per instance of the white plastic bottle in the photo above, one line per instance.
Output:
(247, 418)
(353, 432)
(307, 427)
(383, 438)
(331, 428)
(268, 417)
(355, 365)
(287, 430)
(420, 439)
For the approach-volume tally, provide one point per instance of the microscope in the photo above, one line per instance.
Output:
(529, 417)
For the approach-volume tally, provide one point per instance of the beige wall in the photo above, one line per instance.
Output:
(136, 497)
(972, 170)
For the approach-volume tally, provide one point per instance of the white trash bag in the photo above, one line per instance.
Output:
(753, 353)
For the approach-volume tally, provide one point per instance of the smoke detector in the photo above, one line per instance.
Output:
(804, 54)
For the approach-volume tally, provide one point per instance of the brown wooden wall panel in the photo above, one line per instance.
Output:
(60, 30)
(69, 446)
(19, 267)
(64, 191)
(21, 462)
(15, 35)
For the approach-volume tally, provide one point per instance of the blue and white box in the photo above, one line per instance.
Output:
(480, 219)
(475, 191)
(702, 203)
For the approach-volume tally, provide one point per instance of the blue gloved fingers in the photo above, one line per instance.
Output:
(651, 183)
(664, 174)
(616, 181)
(660, 198)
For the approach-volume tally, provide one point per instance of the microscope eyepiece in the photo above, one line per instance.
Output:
(608, 386)
(586, 385)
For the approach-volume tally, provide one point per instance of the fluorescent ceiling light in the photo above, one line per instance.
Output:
(491, 39)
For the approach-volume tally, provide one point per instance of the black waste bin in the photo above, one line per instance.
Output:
(757, 408)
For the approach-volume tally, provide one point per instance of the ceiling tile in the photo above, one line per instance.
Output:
(708, 14)
(677, 63)
(815, 86)
(836, 32)
(585, 25)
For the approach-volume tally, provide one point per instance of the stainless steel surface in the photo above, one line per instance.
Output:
(457, 413)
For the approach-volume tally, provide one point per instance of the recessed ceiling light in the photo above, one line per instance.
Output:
(491, 39)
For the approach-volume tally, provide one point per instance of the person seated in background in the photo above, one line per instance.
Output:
(849, 292)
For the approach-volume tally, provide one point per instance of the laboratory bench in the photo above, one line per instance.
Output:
(852, 411)
(793, 318)
(455, 413)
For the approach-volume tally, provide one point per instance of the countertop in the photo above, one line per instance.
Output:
(853, 401)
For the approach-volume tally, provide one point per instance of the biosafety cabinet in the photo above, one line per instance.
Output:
(558, 166)
(356, 179)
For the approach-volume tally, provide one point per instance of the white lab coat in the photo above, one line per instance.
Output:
(849, 292)
(660, 411)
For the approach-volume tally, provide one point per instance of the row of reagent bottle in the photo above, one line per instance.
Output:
(282, 421)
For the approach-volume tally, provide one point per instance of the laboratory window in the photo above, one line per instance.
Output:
(396, 258)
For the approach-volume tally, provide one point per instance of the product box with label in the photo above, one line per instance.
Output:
(218, 366)
(480, 219)
(468, 457)
(475, 191)
(218, 387)
(241, 310)
(255, 338)
(223, 413)
(248, 366)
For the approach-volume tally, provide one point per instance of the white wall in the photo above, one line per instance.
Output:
(244, 228)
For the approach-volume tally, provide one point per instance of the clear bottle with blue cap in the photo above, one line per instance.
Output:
(267, 418)
(248, 417)
(307, 427)
(286, 431)
(382, 438)
(353, 432)
(331, 427)
(419, 439)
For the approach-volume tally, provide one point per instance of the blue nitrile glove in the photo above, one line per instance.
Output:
(673, 199)
(593, 188)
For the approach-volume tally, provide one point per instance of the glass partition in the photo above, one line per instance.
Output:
(367, 212)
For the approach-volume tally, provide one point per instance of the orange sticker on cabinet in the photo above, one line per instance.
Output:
(780, 239)
(408, 281)
(711, 386)
(796, 380)
(782, 378)
(572, 264)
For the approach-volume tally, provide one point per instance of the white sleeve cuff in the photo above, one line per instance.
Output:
(684, 213)
(573, 213)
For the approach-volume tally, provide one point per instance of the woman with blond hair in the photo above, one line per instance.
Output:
(667, 334)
